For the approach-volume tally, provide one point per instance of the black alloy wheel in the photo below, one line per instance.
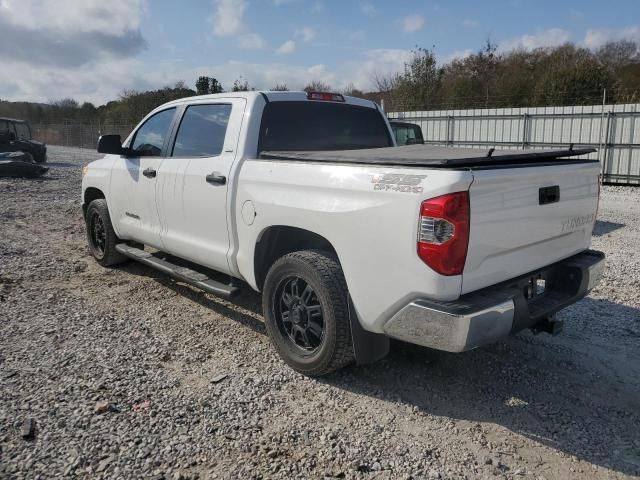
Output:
(306, 312)
(97, 233)
(299, 314)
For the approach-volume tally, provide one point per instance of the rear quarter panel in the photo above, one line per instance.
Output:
(373, 231)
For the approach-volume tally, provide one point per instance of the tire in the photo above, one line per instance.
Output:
(101, 237)
(290, 308)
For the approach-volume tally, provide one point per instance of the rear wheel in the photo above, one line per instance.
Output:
(101, 237)
(306, 312)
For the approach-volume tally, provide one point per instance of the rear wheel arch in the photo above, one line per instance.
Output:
(279, 240)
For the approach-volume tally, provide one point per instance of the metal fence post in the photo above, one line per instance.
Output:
(450, 126)
(606, 144)
(525, 126)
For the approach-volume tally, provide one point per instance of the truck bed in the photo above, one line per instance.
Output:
(435, 157)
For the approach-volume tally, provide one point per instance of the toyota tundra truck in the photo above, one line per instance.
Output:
(351, 240)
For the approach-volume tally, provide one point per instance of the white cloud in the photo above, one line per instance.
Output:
(468, 22)
(305, 33)
(457, 55)
(412, 23)
(101, 81)
(228, 17)
(547, 38)
(595, 38)
(317, 7)
(118, 17)
(287, 47)
(251, 41)
(40, 32)
(368, 9)
(228, 21)
(376, 62)
(96, 82)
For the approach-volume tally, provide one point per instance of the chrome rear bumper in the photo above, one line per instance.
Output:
(490, 314)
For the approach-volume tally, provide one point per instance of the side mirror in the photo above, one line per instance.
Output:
(110, 144)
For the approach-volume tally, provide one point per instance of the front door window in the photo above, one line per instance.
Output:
(150, 137)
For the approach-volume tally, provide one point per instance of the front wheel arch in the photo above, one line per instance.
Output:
(90, 194)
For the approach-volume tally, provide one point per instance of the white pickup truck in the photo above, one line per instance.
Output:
(351, 240)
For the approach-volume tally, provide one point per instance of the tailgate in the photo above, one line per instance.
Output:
(518, 225)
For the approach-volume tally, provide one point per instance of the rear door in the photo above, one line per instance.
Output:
(133, 181)
(194, 181)
(523, 219)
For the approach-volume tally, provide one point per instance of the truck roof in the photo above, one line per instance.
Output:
(269, 96)
(7, 119)
(432, 156)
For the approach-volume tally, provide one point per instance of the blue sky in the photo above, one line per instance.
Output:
(93, 50)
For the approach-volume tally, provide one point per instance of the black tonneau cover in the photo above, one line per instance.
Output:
(432, 157)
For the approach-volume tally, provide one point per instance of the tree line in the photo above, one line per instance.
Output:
(554, 76)
(563, 75)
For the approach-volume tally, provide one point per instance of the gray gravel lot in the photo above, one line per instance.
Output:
(156, 352)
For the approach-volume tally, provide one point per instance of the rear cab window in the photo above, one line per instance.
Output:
(317, 126)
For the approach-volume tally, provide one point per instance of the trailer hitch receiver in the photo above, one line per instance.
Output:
(550, 325)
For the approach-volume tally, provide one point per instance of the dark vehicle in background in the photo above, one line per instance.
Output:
(15, 136)
(406, 133)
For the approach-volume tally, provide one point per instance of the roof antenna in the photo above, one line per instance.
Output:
(490, 152)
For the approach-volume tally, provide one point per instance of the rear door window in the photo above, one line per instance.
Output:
(202, 131)
(321, 126)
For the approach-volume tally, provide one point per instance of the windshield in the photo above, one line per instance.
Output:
(22, 130)
(321, 126)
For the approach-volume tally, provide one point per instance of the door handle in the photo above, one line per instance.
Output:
(216, 179)
(149, 173)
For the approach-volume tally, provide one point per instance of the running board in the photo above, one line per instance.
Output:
(183, 274)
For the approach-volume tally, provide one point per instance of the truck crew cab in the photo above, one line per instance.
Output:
(351, 240)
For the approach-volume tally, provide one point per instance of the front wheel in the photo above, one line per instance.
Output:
(305, 304)
(101, 237)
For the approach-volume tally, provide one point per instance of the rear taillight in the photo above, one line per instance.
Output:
(443, 235)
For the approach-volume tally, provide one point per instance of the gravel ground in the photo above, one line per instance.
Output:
(189, 386)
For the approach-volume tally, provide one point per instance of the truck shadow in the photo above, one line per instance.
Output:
(62, 165)
(577, 393)
(246, 308)
(603, 227)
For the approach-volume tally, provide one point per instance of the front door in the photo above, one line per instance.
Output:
(193, 182)
(134, 179)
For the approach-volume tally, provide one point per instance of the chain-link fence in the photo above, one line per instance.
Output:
(77, 135)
